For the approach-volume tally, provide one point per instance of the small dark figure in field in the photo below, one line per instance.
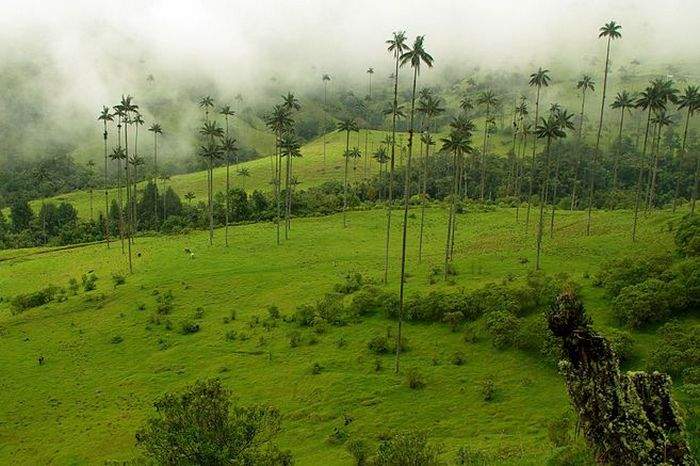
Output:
(138, 254)
(41, 360)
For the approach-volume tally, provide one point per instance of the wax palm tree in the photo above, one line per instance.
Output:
(229, 150)
(487, 98)
(348, 125)
(206, 103)
(609, 31)
(118, 154)
(565, 120)
(137, 121)
(415, 57)
(466, 104)
(290, 148)
(157, 130)
(526, 129)
(105, 117)
(239, 101)
(690, 101)
(625, 102)
(243, 173)
(430, 108)
(370, 72)
(164, 178)
(548, 129)
(382, 158)
(279, 122)
(538, 79)
(227, 112)
(211, 151)
(290, 102)
(660, 120)
(457, 143)
(397, 46)
(128, 107)
(326, 78)
(585, 84)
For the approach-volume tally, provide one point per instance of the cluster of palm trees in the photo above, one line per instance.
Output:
(287, 147)
(127, 115)
(217, 143)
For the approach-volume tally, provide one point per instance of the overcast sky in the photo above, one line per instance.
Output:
(241, 42)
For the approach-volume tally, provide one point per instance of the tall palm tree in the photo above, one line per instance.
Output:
(660, 120)
(326, 78)
(290, 148)
(457, 143)
(564, 119)
(206, 103)
(690, 101)
(137, 121)
(429, 107)
(348, 125)
(370, 72)
(121, 116)
(538, 79)
(397, 46)
(129, 107)
(625, 102)
(585, 84)
(211, 151)
(487, 98)
(228, 149)
(382, 158)
(415, 56)
(466, 105)
(157, 130)
(118, 154)
(104, 117)
(163, 179)
(279, 122)
(243, 173)
(548, 129)
(610, 31)
(523, 131)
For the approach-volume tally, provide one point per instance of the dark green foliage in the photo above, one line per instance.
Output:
(89, 281)
(415, 379)
(379, 345)
(534, 336)
(187, 327)
(164, 303)
(73, 286)
(488, 389)
(373, 300)
(453, 319)
(329, 309)
(622, 344)
(273, 312)
(352, 283)
(294, 338)
(469, 456)
(21, 215)
(503, 328)
(116, 339)
(679, 349)
(118, 279)
(200, 426)
(458, 358)
(688, 235)
(559, 430)
(409, 448)
(360, 451)
(316, 368)
(650, 301)
(23, 302)
(629, 271)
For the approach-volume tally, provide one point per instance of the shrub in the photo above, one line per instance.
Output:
(629, 271)
(164, 303)
(294, 338)
(23, 302)
(231, 335)
(472, 457)
(198, 313)
(360, 451)
(372, 300)
(118, 279)
(558, 431)
(316, 368)
(187, 327)
(642, 304)
(458, 358)
(453, 319)
(273, 312)
(378, 365)
(503, 328)
(200, 426)
(379, 345)
(407, 448)
(534, 336)
(687, 235)
(73, 286)
(677, 350)
(89, 281)
(352, 283)
(341, 342)
(414, 379)
(488, 389)
(116, 339)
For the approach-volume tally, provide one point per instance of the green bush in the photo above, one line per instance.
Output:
(639, 305)
(89, 281)
(677, 351)
(360, 451)
(372, 300)
(622, 344)
(534, 336)
(503, 327)
(687, 235)
(379, 345)
(414, 379)
(629, 271)
(73, 286)
(352, 283)
(118, 279)
(407, 448)
(488, 389)
(187, 327)
(23, 302)
(472, 457)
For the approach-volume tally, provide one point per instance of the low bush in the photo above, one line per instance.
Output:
(628, 271)
(352, 283)
(23, 302)
(414, 379)
(647, 302)
(118, 279)
(359, 450)
(188, 327)
(379, 344)
(488, 389)
(116, 339)
(622, 344)
(503, 327)
(472, 457)
(373, 300)
(407, 448)
(316, 368)
(687, 235)
(677, 350)
(89, 281)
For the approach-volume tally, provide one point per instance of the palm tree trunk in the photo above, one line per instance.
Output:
(287, 194)
(106, 217)
(325, 121)
(453, 203)
(390, 197)
(654, 170)
(210, 201)
(555, 185)
(128, 193)
(155, 175)
(406, 200)
(345, 179)
(483, 157)
(532, 163)
(278, 182)
(423, 200)
(639, 178)
(591, 183)
(676, 192)
(543, 193)
(577, 171)
(619, 148)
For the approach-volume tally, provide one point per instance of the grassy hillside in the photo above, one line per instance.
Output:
(106, 361)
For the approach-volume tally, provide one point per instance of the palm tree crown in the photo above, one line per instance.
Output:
(540, 78)
(417, 55)
(586, 84)
(610, 30)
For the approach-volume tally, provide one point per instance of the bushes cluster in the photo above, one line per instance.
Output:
(23, 302)
(677, 354)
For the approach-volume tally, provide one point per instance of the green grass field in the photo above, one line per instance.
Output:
(85, 403)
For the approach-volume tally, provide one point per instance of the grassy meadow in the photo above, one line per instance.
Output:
(106, 362)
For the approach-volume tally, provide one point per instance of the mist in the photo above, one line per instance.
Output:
(80, 55)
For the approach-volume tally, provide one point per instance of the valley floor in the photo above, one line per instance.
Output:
(106, 361)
